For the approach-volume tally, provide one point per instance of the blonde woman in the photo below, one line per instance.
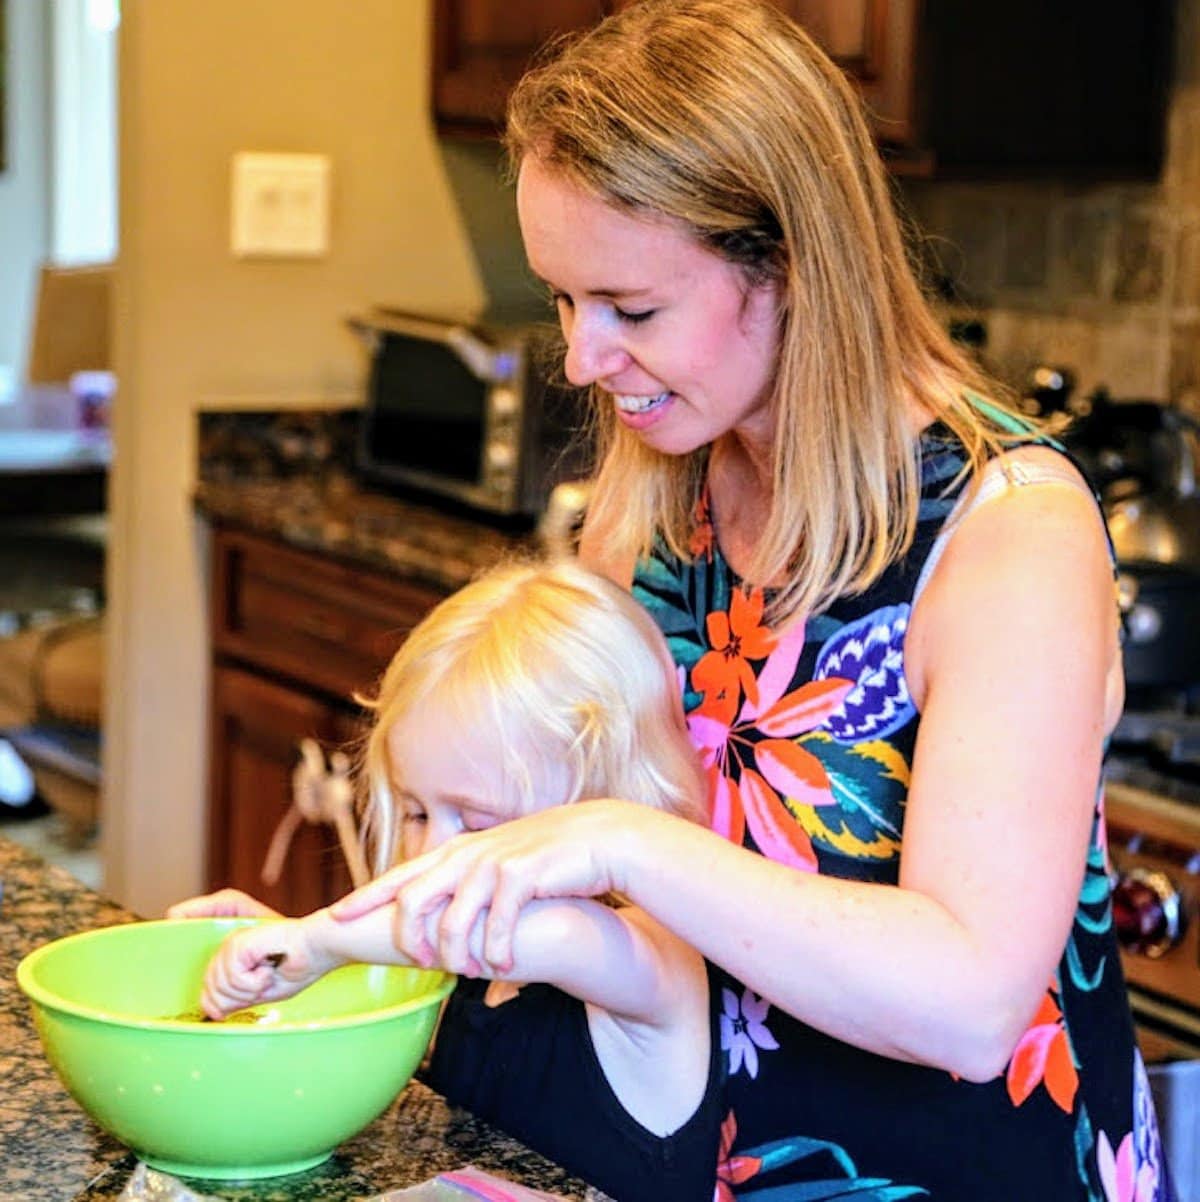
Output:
(893, 606)
(532, 687)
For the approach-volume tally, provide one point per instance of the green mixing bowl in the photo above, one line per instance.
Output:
(117, 1012)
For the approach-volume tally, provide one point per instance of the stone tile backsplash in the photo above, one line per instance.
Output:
(1103, 278)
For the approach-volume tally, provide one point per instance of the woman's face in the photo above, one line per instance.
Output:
(684, 346)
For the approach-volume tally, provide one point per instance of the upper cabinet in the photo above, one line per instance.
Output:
(875, 43)
(952, 88)
(481, 48)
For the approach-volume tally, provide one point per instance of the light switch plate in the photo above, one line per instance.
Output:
(280, 205)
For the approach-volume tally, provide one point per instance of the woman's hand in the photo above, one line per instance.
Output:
(226, 903)
(264, 963)
(487, 876)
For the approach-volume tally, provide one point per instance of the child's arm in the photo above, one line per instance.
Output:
(274, 960)
(225, 903)
(645, 990)
(646, 995)
(619, 961)
(616, 960)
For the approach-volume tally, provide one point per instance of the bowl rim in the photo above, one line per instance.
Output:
(45, 998)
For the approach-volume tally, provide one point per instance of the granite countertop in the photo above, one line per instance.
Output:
(291, 475)
(54, 1152)
(332, 515)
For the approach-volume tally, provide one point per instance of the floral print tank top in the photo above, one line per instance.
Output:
(808, 740)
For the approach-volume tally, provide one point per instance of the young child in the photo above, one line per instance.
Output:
(534, 686)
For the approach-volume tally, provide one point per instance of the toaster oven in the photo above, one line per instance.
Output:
(468, 412)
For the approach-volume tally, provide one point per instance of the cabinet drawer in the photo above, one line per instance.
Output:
(325, 625)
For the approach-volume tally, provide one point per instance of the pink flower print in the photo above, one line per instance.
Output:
(778, 835)
(1122, 1178)
(744, 1030)
(748, 779)
(728, 815)
(777, 673)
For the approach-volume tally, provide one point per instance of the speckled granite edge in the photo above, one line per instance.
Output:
(54, 1152)
(335, 518)
(289, 475)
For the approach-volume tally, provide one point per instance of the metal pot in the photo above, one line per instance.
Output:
(1161, 610)
(1154, 518)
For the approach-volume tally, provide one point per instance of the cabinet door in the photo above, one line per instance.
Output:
(875, 43)
(327, 627)
(851, 32)
(257, 726)
(481, 48)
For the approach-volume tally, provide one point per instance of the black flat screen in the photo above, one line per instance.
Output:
(425, 410)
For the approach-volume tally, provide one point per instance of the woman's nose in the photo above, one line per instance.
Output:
(594, 350)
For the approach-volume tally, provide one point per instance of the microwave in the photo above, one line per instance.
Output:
(468, 412)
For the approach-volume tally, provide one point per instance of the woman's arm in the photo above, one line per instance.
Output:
(1013, 649)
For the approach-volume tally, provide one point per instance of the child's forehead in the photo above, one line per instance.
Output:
(438, 755)
(446, 713)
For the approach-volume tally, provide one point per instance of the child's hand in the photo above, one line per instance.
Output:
(226, 903)
(264, 963)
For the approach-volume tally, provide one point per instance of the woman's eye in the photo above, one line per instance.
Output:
(634, 319)
(414, 816)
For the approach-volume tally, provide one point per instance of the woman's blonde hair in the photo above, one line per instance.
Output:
(552, 661)
(724, 117)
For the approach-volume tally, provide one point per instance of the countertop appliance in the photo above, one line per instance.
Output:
(473, 413)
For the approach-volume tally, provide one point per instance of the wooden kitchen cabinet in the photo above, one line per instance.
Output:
(295, 635)
(875, 43)
(482, 47)
(257, 726)
(951, 88)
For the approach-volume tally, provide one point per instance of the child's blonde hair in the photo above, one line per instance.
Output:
(557, 663)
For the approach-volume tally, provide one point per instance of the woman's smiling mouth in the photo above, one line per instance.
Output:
(640, 404)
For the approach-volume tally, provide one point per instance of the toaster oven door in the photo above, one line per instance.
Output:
(428, 421)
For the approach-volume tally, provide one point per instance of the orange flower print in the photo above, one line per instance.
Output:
(732, 1170)
(749, 776)
(1043, 1056)
(723, 674)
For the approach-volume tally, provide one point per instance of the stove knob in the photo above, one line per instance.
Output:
(1147, 912)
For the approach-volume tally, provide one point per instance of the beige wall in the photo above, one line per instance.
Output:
(24, 184)
(195, 327)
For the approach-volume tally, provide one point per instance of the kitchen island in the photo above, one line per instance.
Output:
(52, 1151)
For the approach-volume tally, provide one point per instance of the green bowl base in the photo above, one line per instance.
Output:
(208, 1172)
